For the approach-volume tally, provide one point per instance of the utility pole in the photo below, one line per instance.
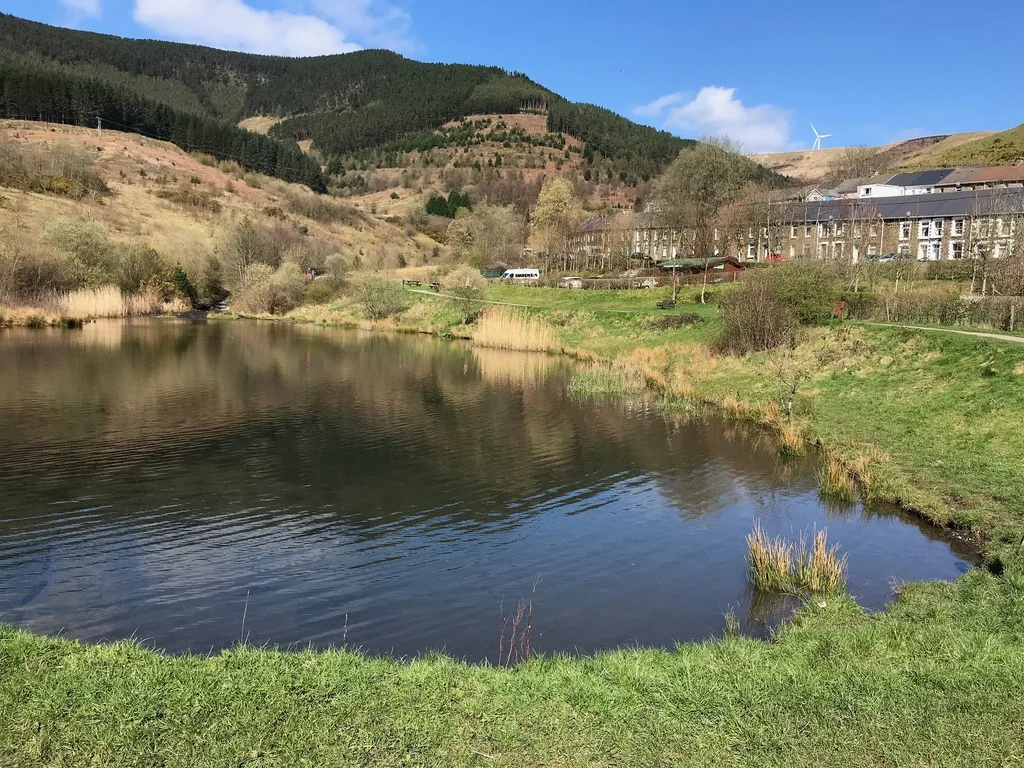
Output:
(99, 126)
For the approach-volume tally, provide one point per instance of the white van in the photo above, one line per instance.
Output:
(521, 274)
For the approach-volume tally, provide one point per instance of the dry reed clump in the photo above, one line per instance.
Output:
(108, 301)
(508, 329)
(837, 479)
(1019, 370)
(776, 565)
(792, 441)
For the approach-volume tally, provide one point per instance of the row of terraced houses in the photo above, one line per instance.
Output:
(929, 216)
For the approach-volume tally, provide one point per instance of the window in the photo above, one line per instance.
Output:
(867, 191)
(823, 251)
(807, 230)
(904, 250)
(839, 227)
(857, 230)
(838, 251)
(958, 226)
(873, 229)
(904, 230)
(922, 252)
(956, 249)
(1005, 227)
(822, 231)
(792, 231)
(872, 250)
(924, 229)
(763, 232)
(937, 226)
(751, 252)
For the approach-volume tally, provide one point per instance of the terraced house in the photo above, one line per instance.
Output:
(930, 226)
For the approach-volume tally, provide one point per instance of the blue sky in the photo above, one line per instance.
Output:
(869, 72)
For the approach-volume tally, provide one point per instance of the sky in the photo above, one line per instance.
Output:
(869, 72)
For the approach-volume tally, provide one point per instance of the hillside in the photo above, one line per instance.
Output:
(342, 105)
(1006, 147)
(830, 162)
(78, 209)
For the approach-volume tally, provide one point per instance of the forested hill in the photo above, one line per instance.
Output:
(343, 103)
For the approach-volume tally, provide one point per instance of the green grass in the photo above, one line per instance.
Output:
(1005, 147)
(933, 682)
(928, 419)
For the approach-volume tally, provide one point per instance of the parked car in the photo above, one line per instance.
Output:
(888, 258)
(573, 282)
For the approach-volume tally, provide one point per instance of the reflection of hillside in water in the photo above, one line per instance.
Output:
(399, 425)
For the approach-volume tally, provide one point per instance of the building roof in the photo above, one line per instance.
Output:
(874, 181)
(957, 176)
(919, 178)
(999, 173)
(595, 225)
(936, 205)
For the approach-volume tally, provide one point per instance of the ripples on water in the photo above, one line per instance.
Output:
(159, 479)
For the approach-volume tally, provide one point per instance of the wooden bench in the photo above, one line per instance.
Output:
(667, 304)
(417, 283)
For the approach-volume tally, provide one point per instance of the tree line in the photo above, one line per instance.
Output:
(55, 96)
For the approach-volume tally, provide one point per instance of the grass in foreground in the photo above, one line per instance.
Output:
(934, 681)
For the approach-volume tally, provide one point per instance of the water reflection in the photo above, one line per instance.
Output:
(153, 473)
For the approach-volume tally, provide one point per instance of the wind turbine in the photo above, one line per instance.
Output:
(818, 137)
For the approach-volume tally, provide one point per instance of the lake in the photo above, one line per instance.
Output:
(194, 484)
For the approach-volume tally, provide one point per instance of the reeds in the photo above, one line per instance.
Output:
(792, 441)
(776, 565)
(837, 480)
(508, 329)
(108, 301)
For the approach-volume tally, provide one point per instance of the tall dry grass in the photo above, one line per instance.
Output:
(777, 565)
(837, 480)
(504, 328)
(108, 301)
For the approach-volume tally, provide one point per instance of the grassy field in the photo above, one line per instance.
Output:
(926, 419)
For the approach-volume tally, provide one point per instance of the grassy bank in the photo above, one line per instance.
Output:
(932, 682)
(927, 419)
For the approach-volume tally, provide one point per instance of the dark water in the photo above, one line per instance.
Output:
(163, 479)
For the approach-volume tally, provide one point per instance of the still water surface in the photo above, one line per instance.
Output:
(161, 479)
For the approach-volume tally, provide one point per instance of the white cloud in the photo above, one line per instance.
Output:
(234, 25)
(88, 7)
(374, 23)
(716, 110)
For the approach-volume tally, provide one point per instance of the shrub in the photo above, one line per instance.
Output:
(184, 287)
(266, 291)
(287, 285)
(252, 294)
(136, 266)
(808, 290)
(379, 297)
(191, 198)
(682, 320)
(320, 291)
(755, 319)
(467, 285)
